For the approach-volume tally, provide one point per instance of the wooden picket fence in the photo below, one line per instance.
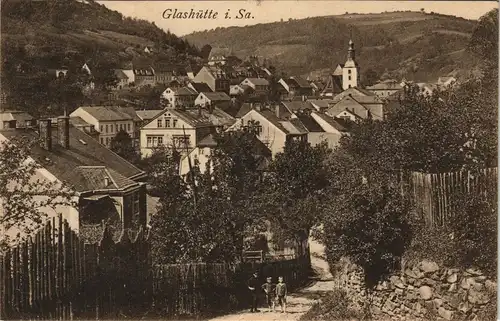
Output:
(434, 195)
(202, 289)
(55, 275)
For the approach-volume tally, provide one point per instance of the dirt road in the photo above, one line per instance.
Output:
(299, 302)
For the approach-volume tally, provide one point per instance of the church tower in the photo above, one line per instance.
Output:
(350, 71)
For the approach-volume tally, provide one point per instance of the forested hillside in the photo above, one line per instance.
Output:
(37, 35)
(415, 45)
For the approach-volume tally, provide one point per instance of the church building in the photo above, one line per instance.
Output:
(345, 76)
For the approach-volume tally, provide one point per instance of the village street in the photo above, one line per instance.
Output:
(298, 302)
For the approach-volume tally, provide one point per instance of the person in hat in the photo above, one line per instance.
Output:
(252, 284)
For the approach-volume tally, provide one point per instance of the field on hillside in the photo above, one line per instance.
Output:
(414, 45)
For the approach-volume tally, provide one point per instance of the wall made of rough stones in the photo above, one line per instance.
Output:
(419, 291)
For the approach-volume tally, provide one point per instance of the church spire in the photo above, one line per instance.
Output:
(351, 52)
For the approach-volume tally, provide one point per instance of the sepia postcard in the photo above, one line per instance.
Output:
(248, 160)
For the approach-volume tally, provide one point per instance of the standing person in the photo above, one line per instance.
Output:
(269, 289)
(252, 284)
(281, 294)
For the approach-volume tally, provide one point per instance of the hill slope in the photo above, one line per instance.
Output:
(411, 44)
(50, 30)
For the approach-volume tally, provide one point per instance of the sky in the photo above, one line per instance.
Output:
(275, 10)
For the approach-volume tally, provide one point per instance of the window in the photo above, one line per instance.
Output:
(167, 122)
(102, 141)
(107, 140)
(116, 126)
(154, 141)
(102, 128)
(174, 123)
(201, 151)
(135, 203)
(111, 129)
(159, 123)
(106, 129)
(180, 141)
(349, 77)
(349, 71)
(128, 127)
(349, 86)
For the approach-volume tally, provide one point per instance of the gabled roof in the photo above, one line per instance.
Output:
(200, 87)
(294, 106)
(333, 85)
(200, 117)
(354, 91)
(110, 113)
(216, 72)
(258, 81)
(332, 122)
(216, 96)
(320, 103)
(78, 121)
(285, 126)
(309, 123)
(17, 115)
(148, 114)
(83, 151)
(301, 82)
(184, 91)
(90, 178)
(294, 127)
(386, 86)
(120, 74)
(350, 104)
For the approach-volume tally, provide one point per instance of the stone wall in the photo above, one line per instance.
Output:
(421, 291)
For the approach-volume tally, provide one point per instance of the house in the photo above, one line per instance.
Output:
(321, 128)
(109, 120)
(123, 80)
(259, 85)
(215, 77)
(218, 56)
(446, 81)
(105, 186)
(58, 71)
(385, 88)
(82, 125)
(144, 76)
(239, 90)
(199, 87)
(296, 86)
(211, 98)
(294, 107)
(182, 129)
(354, 107)
(179, 97)
(320, 105)
(147, 115)
(130, 75)
(333, 86)
(353, 91)
(200, 155)
(166, 73)
(12, 119)
(272, 130)
(426, 88)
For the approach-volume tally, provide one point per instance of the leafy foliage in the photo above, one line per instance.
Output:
(206, 218)
(335, 306)
(295, 189)
(123, 145)
(26, 196)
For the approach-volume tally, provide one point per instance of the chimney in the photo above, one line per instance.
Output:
(258, 107)
(106, 181)
(211, 108)
(199, 110)
(277, 110)
(63, 131)
(46, 134)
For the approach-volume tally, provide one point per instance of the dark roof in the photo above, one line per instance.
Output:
(84, 151)
(200, 117)
(148, 114)
(78, 121)
(200, 87)
(301, 82)
(333, 86)
(334, 122)
(310, 124)
(120, 74)
(216, 96)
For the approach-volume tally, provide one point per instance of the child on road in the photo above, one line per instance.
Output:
(269, 289)
(281, 294)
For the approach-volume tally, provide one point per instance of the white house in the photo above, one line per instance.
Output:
(211, 98)
(179, 97)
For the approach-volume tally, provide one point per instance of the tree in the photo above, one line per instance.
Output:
(370, 77)
(206, 218)
(123, 145)
(24, 195)
(295, 187)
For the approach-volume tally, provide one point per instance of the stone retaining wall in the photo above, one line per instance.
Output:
(420, 292)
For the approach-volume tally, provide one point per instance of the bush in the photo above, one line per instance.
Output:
(335, 306)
